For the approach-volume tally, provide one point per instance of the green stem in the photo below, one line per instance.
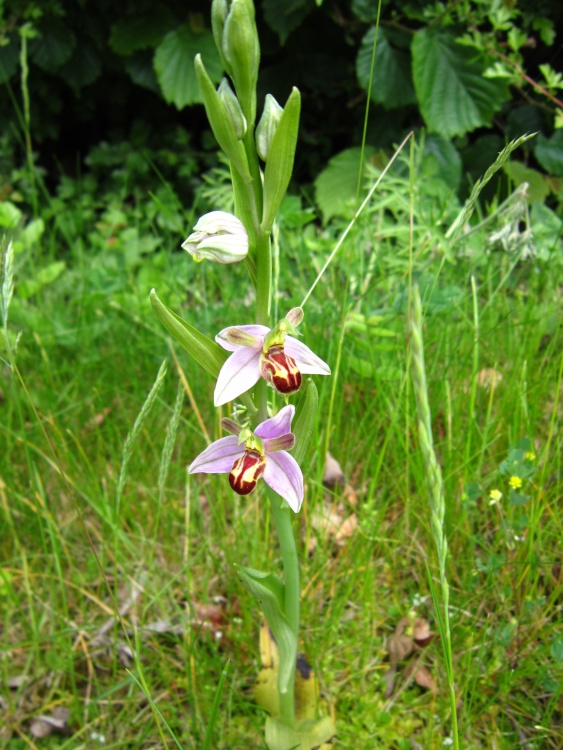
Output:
(282, 519)
(263, 277)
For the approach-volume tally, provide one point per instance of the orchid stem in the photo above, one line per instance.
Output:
(282, 519)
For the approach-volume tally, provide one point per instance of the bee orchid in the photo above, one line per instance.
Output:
(248, 456)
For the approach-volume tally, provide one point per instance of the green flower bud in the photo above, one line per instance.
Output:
(241, 50)
(232, 108)
(267, 126)
(219, 13)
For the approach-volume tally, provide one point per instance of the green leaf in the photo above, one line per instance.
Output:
(28, 287)
(549, 153)
(269, 590)
(9, 57)
(10, 215)
(83, 67)
(309, 735)
(336, 185)
(453, 96)
(286, 16)
(441, 159)
(133, 33)
(140, 67)
(538, 188)
(54, 46)
(206, 352)
(279, 166)
(221, 125)
(392, 79)
(174, 64)
(305, 418)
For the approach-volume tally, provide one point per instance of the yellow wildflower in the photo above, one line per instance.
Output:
(530, 456)
(495, 496)
(515, 482)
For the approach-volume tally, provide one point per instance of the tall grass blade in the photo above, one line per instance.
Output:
(435, 485)
(215, 707)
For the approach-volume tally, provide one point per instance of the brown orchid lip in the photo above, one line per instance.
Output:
(246, 472)
(281, 370)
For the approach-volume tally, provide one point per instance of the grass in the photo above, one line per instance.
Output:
(118, 585)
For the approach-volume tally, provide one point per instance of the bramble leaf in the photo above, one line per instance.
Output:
(174, 64)
(453, 95)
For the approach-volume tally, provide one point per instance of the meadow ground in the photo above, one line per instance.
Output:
(94, 521)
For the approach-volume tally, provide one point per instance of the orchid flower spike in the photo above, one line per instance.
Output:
(259, 351)
(218, 236)
(249, 456)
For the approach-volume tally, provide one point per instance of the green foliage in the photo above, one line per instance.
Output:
(392, 84)
(453, 95)
(174, 64)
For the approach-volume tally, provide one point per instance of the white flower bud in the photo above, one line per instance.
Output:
(218, 236)
(267, 126)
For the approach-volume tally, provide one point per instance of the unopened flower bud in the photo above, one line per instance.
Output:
(218, 236)
(267, 126)
(240, 49)
(232, 108)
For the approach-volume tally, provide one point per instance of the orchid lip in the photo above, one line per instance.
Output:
(262, 455)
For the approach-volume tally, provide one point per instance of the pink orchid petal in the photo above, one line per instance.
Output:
(254, 330)
(284, 477)
(217, 458)
(307, 361)
(276, 426)
(239, 373)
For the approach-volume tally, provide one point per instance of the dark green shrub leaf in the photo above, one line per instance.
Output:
(549, 153)
(365, 10)
(9, 55)
(284, 17)
(453, 95)
(54, 45)
(442, 159)
(174, 64)
(337, 184)
(83, 67)
(134, 33)
(392, 79)
(140, 67)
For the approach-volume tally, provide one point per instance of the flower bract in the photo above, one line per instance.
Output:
(258, 351)
(218, 236)
(262, 454)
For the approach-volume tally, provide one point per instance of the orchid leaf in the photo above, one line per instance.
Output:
(279, 166)
(305, 420)
(221, 125)
(206, 352)
(309, 735)
(269, 590)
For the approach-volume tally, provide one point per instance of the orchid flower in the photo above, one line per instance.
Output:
(218, 236)
(248, 456)
(259, 351)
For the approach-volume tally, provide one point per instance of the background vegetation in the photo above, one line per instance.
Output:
(106, 160)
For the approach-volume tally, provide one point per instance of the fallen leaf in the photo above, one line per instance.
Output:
(423, 678)
(333, 473)
(57, 721)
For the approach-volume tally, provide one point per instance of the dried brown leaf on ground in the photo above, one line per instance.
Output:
(57, 721)
(332, 474)
(411, 634)
(335, 522)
